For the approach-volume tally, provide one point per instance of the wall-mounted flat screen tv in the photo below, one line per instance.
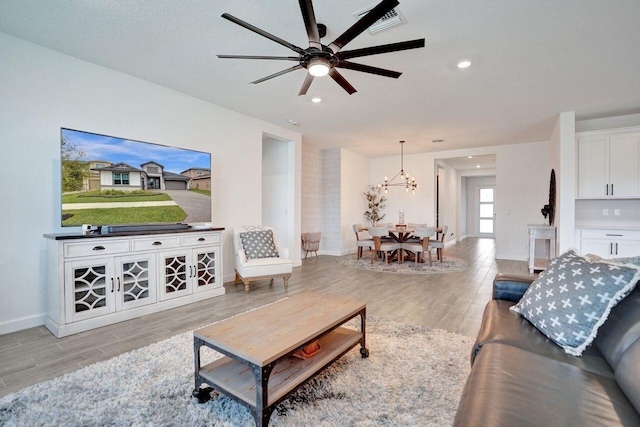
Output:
(108, 180)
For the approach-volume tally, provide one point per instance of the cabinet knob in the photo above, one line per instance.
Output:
(156, 243)
(98, 248)
(202, 239)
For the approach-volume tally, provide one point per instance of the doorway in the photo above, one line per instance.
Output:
(278, 188)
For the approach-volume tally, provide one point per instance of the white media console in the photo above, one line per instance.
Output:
(96, 280)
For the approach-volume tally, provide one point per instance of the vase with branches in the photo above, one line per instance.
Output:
(375, 204)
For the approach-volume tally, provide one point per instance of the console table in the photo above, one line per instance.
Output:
(546, 234)
(99, 279)
(257, 369)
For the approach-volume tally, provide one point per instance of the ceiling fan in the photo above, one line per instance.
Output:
(319, 59)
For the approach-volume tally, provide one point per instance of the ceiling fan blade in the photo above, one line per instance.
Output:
(369, 69)
(282, 58)
(279, 73)
(305, 85)
(310, 23)
(363, 23)
(262, 32)
(335, 75)
(383, 48)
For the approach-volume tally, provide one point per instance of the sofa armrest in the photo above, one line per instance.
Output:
(241, 257)
(283, 253)
(511, 287)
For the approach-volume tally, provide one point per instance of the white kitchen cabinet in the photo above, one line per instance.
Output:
(609, 164)
(610, 243)
(97, 280)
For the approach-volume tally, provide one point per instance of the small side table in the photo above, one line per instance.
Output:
(546, 234)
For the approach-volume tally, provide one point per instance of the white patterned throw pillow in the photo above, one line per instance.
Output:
(573, 297)
(258, 244)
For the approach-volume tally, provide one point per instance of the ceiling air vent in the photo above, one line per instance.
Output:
(390, 19)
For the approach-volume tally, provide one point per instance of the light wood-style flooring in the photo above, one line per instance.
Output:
(453, 302)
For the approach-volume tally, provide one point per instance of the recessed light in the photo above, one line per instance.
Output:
(469, 157)
(316, 100)
(477, 166)
(293, 122)
(464, 64)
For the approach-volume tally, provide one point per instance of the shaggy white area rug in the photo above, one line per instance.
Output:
(448, 265)
(414, 376)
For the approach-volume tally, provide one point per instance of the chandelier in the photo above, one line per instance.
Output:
(404, 180)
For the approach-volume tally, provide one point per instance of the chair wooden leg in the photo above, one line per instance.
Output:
(237, 279)
(286, 282)
(246, 285)
(430, 260)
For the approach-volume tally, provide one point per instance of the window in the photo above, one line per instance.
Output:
(199, 172)
(100, 165)
(120, 178)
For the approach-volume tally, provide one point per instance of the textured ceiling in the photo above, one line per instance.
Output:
(531, 61)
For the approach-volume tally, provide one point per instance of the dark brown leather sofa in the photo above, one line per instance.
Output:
(520, 378)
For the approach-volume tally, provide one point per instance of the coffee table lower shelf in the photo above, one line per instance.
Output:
(236, 378)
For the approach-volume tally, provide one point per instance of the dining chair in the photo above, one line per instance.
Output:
(361, 243)
(414, 238)
(419, 248)
(438, 245)
(311, 243)
(382, 246)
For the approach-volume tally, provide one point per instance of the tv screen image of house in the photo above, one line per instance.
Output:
(108, 180)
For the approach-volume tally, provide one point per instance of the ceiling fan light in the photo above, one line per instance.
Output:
(318, 67)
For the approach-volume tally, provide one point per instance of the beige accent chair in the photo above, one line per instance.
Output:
(438, 245)
(361, 243)
(421, 247)
(311, 243)
(382, 246)
(249, 270)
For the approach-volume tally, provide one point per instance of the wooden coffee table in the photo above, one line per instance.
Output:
(257, 368)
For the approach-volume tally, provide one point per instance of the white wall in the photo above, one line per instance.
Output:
(42, 91)
(418, 207)
(608, 123)
(355, 177)
(562, 158)
(331, 194)
(311, 217)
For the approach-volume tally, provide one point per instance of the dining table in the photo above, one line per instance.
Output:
(401, 234)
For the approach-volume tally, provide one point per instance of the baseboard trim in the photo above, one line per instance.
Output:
(26, 322)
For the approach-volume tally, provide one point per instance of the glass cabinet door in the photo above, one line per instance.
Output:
(89, 289)
(175, 274)
(135, 281)
(206, 265)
